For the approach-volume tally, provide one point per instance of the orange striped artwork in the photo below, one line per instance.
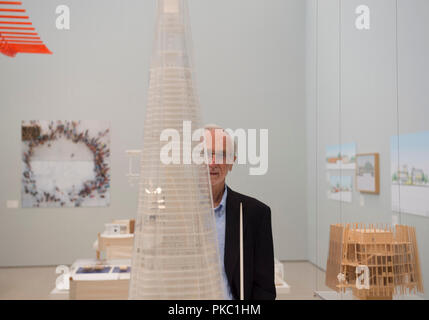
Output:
(16, 32)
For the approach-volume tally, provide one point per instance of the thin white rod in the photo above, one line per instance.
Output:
(241, 254)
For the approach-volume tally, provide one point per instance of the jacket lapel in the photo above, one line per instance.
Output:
(232, 233)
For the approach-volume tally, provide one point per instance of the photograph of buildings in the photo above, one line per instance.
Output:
(410, 173)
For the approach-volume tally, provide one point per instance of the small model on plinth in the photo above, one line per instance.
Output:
(374, 261)
(116, 241)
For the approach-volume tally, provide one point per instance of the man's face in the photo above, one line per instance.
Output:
(217, 155)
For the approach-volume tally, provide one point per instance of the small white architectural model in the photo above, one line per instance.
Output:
(114, 228)
(175, 253)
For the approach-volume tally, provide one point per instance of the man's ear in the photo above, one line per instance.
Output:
(231, 164)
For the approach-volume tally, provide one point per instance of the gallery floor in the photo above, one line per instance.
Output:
(38, 282)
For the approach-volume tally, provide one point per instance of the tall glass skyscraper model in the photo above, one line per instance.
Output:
(175, 248)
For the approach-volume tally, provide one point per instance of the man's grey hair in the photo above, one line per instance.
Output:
(233, 140)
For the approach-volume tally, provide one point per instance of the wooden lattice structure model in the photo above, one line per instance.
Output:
(17, 35)
(175, 253)
(386, 257)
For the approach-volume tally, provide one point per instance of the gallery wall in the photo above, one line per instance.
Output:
(254, 79)
(249, 57)
(363, 86)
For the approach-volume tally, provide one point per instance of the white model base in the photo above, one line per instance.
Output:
(333, 295)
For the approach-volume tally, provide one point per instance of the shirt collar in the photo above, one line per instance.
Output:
(223, 201)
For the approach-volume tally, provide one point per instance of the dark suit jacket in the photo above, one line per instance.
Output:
(258, 247)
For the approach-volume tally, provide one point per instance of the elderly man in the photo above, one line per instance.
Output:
(258, 239)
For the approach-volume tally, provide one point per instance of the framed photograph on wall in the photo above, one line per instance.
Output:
(340, 188)
(341, 156)
(65, 163)
(368, 173)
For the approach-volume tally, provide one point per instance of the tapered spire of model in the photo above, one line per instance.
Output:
(175, 250)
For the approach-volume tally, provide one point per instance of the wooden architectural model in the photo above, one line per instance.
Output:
(375, 262)
(175, 253)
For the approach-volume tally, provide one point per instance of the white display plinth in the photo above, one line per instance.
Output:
(333, 295)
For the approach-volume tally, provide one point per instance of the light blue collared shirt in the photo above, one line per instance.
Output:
(220, 217)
